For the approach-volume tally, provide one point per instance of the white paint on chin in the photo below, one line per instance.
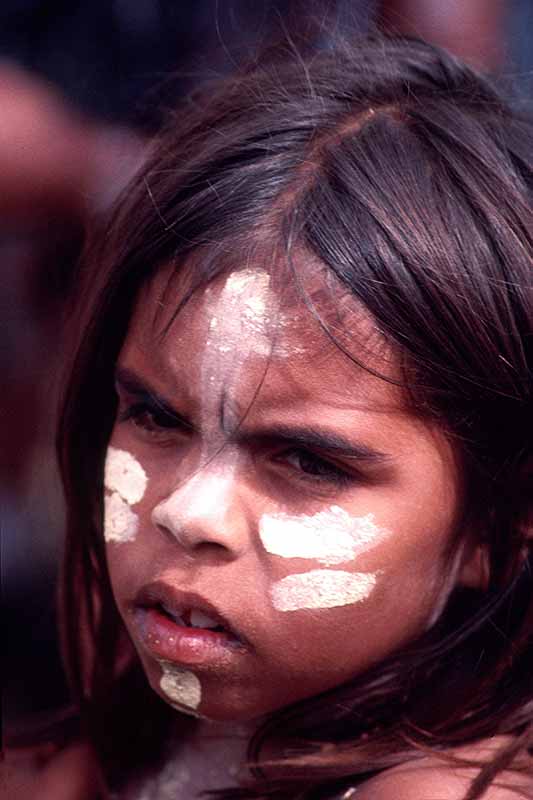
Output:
(125, 482)
(322, 588)
(120, 522)
(330, 537)
(181, 686)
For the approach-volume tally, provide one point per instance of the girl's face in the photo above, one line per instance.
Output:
(276, 520)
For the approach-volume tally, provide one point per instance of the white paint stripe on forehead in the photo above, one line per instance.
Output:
(124, 474)
(331, 536)
(322, 588)
(181, 686)
(249, 289)
(238, 326)
(120, 522)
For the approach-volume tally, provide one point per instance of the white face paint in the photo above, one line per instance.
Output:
(203, 496)
(331, 536)
(181, 686)
(243, 308)
(125, 481)
(238, 328)
(242, 320)
(322, 588)
(124, 474)
(120, 522)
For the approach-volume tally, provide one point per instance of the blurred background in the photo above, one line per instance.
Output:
(82, 86)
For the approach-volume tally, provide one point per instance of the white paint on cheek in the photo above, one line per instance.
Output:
(124, 474)
(322, 588)
(120, 522)
(125, 483)
(181, 686)
(331, 537)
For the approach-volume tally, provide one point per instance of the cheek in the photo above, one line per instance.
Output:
(330, 537)
(121, 523)
(331, 624)
(369, 588)
(125, 483)
(321, 588)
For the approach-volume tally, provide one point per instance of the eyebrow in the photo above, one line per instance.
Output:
(132, 384)
(316, 438)
(312, 437)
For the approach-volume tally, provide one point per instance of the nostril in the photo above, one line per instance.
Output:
(166, 516)
(198, 526)
(212, 546)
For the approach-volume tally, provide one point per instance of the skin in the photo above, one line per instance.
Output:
(413, 491)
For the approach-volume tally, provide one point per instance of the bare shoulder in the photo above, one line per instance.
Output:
(67, 774)
(434, 779)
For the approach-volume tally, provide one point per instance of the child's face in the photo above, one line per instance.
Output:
(287, 495)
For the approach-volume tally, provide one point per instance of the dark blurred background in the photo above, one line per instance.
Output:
(82, 86)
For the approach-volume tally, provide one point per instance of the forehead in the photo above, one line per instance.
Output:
(304, 336)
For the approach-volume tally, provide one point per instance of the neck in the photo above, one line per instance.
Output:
(212, 756)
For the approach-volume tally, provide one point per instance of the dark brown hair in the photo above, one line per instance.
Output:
(411, 181)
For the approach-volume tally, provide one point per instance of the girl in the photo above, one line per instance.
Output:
(296, 444)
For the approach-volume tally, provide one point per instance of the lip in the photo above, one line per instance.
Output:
(167, 639)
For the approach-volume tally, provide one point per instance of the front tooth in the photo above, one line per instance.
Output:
(199, 620)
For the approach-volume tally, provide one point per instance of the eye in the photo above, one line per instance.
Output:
(151, 418)
(315, 468)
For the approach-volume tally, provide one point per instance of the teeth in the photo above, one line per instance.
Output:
(191, 618)
(200, 620)
(176, 617)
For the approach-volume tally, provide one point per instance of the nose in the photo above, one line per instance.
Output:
(207, 511)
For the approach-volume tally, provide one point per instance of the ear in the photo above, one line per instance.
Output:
(474, 572)
(524, 501)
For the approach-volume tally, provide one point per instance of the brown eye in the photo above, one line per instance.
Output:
(150, 418)
(316, 468)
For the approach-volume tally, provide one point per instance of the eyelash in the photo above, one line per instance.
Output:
(158, 419)
(321, 470)
(312, 467)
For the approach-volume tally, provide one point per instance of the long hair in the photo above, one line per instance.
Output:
(410, 179)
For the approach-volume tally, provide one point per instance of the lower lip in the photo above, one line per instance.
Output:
(167, 640)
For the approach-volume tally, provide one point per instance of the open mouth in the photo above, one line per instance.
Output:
(185, 627)
(194, 618)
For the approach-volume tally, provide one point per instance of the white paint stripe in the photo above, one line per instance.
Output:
(238, 328)
(331, 536)
(322, 588)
